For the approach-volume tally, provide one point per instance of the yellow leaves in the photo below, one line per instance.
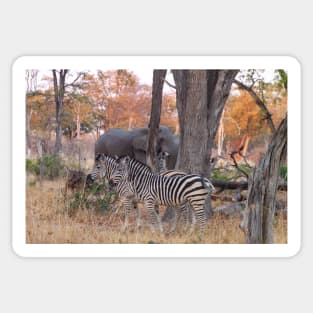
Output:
(243, 117)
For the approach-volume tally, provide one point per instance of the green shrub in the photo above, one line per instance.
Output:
(97, 197)
(32, 167)
(231, 173)
(52, 166)
(283, 172)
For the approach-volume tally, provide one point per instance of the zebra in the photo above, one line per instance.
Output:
(183, 211)
(162, 163)
(136, 178)
(104, 167)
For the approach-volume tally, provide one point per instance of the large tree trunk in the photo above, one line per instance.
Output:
(263, 182)
(157, 92)
(193, 154)
(200, 96)
(59, 91)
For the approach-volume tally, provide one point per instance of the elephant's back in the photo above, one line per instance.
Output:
(115, 141)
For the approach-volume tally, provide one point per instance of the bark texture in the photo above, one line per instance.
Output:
(200, 100)
(263, 182)
(59, 91)
(157, 92)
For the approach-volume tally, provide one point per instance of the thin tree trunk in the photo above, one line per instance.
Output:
(157, 92)
(263, 182)
(59, 91)
(219, 85)
(78, 126)
(28, 133)
(220, 136)
(40, 154)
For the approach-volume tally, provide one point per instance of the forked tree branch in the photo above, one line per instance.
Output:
(259, 102)
(169, 84)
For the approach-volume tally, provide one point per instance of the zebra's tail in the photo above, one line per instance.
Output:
(208, 184)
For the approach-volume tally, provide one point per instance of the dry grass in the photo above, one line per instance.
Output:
(49, 221)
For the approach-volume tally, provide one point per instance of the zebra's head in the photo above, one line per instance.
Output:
(102, 167)
(162, 156)
(120, 172)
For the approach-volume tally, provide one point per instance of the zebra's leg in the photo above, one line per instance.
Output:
(173, 223)
(193, 221)
(138, 218)
(200, 217)
(153, 216)
(128, 205)
(184, 215)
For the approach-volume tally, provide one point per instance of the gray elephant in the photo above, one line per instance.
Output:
(133, 143)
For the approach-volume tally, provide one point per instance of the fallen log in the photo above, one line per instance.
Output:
(243, 185)
(237, 208)
(230, 210)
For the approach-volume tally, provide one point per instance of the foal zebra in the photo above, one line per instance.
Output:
(136, 178)
(104, 167)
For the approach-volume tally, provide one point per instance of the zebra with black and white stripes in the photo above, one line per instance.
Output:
(138, 179)
(180, 213)
(104, 167)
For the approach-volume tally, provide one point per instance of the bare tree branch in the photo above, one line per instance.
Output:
(259, 102)
(232, 155)
(169, 84)
(75, 80)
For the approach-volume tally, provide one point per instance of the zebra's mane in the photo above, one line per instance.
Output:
(99, 155)
(136, 162)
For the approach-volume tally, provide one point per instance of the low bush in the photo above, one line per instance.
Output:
(97, 197)
(230, 174)
(52, 166)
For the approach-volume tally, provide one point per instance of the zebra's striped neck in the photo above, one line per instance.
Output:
(109, 165)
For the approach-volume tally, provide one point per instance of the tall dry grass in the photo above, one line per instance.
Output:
(49, 220)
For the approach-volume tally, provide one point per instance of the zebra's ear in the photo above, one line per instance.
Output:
(165, 154)
(98, 156)
(116, 157)
(125, 160)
